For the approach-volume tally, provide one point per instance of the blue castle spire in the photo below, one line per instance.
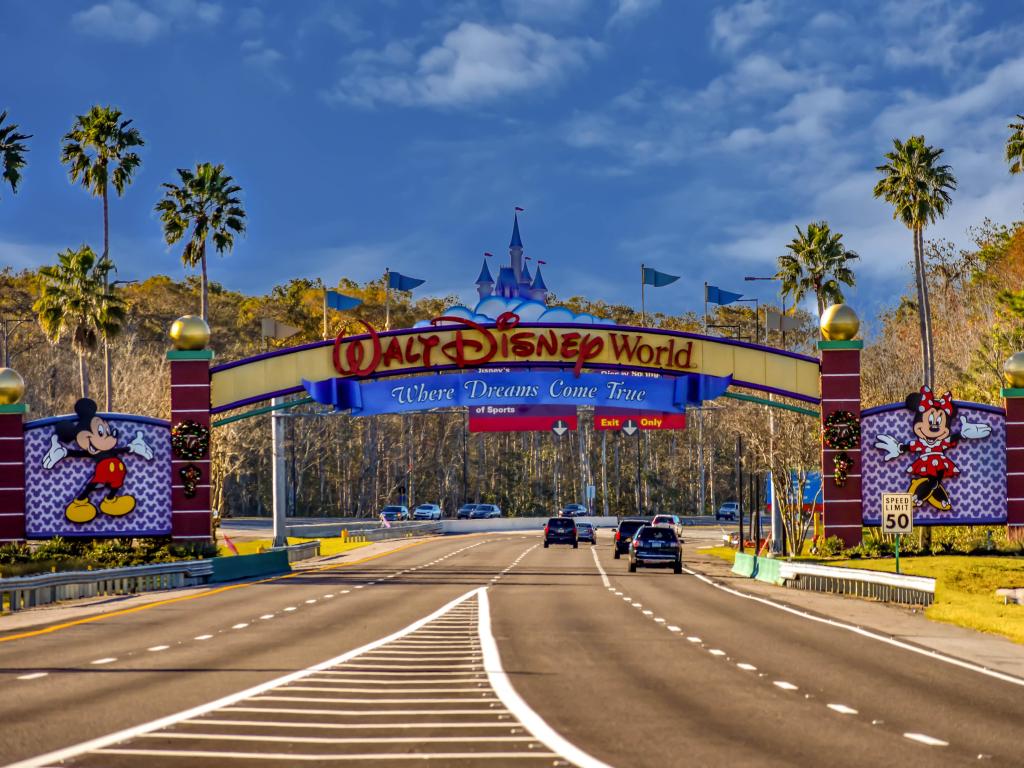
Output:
(485, 275)
(515, 242)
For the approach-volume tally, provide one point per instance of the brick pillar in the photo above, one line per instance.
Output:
(12, 473)
(191, 518)
(1013, 400)
(840, 391)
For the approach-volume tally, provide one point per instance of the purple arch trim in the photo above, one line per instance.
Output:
(957, 403)
(119, 416)
(532, 364)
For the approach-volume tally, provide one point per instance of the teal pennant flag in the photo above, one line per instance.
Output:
(658, 279)
(715, 295)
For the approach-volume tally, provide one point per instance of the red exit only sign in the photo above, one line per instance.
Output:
(605, 418)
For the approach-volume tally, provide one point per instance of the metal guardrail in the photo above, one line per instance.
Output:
(20, 592)
(297, 552)
(399, 531)
(879, 585)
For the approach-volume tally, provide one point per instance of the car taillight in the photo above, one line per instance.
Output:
(616, 535)
(545, 530)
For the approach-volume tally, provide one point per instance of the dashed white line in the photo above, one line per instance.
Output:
(202, 637)
(648, 613)
(747, 667)
(784, 685)
(673, 628)
(694, 639)
(291, 608)
(311, 601)
(33, 676)
(842, 709)
(266, 616)
(156, 648)
(104, 660)
(716, 652)
(924, 738)
(241, 625)
(659, 619)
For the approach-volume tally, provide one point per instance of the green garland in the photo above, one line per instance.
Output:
(844, 463)
(841, 431)
(190, 440)
(190, 477)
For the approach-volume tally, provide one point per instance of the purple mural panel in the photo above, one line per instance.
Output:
(139, 465)
(977, 494)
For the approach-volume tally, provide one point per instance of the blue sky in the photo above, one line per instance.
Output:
(690, 136)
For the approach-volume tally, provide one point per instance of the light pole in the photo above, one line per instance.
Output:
(776, 547)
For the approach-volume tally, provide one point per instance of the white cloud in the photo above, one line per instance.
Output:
(628, 10)
(250, 19)
(732, 28)
(120, 20)
(474, 63)
(129, 21)
(261, 57)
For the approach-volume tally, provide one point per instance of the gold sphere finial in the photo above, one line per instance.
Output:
(190, 332)
(12, 386)
(839, 323)
(1013, 370)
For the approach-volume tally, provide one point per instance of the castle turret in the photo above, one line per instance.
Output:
(538, 290)
(524, 281)
(484, 283)
(515, 249)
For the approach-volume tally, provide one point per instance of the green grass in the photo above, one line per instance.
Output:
(328, 547)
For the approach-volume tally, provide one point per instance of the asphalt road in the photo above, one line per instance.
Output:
(374, 662)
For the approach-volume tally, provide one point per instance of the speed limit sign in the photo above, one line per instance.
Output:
(897, 512)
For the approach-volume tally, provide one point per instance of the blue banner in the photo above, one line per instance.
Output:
(342, 302)
(422, 393)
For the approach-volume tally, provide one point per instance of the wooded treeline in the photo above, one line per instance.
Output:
(344, 465)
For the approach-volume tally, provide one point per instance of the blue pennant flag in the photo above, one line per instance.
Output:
(715, 295)
(340, 301)
(658, 279)
(400, 282)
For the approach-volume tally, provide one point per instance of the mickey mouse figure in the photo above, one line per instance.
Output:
(96, 440)
(932, 417)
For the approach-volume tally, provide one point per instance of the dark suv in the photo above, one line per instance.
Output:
(655, 545)
(561, 530)
(624, 534)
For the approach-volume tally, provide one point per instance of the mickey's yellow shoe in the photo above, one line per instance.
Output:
(80, 511)
(119, 505)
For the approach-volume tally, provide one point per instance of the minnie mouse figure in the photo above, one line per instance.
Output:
(932, 417)
(97, 441)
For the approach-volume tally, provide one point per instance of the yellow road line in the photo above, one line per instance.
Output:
(136, 609)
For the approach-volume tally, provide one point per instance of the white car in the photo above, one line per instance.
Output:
(427, 512)
(730, 510)
(671, 521)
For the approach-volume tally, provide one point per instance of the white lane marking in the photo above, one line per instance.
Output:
(842, 709)
(104, 660)
(716, 652)
(363, 700)
(202, 637)
(659, 619)
(694, 639)
(266, 616)
(747, 667)
(784, 685)
(934, 655)
(673, 628)
(648, 613)
(345, 591)
(341, 726)
(311, 601)
(226, 701)
(33, 676)
(290, 757)
(638, 605)
(618, 594)
(336, 740)
(360, 586)
(499, 681)
(156, 648)
(924, 738)
(329, 596)
(363, 713)
(241, 625)
(291, 608)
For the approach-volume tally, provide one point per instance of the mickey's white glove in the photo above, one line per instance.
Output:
(973, 431)
(890, 445)
(55, 454)
(138, 446)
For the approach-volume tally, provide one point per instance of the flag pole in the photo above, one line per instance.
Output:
(643, 302)
(705, 307)
(325, 310)
(387, 299)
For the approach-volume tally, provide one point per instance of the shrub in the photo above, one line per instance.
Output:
(831, 547)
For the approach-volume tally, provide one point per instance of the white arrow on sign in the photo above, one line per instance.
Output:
(629, 427)
(560, 427)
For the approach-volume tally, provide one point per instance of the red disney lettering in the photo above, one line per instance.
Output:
(461, 344)
(355, 352)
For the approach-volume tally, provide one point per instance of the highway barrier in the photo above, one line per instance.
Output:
(362, 530)
(498, 524)
(296, 552)
(875, 585)
(22, 592)
(235, 567)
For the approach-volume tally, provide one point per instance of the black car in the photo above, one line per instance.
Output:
(561, 530)
(624, 534)
(465, 511)
(585, 532)
(655, 545)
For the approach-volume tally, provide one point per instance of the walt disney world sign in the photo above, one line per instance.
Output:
(457, 345)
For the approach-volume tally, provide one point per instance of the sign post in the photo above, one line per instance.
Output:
(897, 517)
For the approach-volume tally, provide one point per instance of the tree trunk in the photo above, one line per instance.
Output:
(927, 313)
(203, 296)
(922, 311)
(83, 375)
(107, 373)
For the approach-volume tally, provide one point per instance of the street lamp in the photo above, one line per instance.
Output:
(749, 278)
(123, 282)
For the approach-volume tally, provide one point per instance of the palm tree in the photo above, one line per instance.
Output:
(12, 152)
(206, 203)
(1014, 145)
(97, 151)
(74, 301)
(817, 263)
(918, 189)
